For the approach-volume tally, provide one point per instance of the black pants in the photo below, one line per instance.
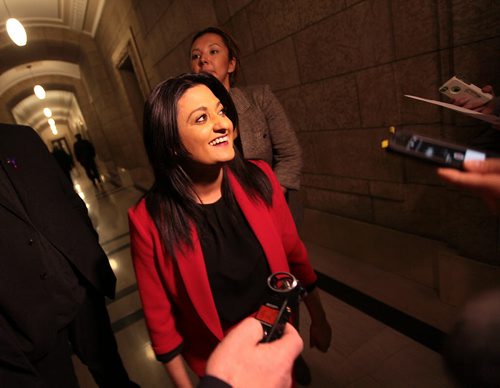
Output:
(91, 338)
(91, 171)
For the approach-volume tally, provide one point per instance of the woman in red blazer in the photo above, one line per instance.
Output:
(211, 229)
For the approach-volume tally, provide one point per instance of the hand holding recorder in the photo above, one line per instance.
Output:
(242, 360)
(481, 177)
(431, 150)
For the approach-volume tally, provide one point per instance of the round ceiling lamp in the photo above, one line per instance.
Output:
(16, 32)
(39, 91)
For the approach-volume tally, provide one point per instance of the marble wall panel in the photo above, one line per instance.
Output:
(275, 65)
(239, 28)
(356, 38)
(221, 10)
(342, 204)
(387, 190)
(479, 62)
(470, 226)
(341, 153)
(336, 183)
(199, 14)
(154, 45)
(175, 63)
(175, 26)
(330, 104)
(292, 101)
(378, 97)
(420, 212)
(236, 5)
(415, 27)
(474, 20)
(309, 154)
(273, 20)
(418, 76)
(150, 12)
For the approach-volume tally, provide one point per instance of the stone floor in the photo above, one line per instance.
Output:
(364, 352)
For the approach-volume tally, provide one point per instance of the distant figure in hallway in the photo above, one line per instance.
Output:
(54, 275)
(64, 160)
(85, 154)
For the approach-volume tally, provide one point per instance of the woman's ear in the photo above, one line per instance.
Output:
(232, 66)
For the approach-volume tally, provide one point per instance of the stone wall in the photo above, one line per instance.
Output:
(341, 69)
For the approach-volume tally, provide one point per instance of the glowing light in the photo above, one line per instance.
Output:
(51, 122)
(54, 130)
(150, 354)
(47, 112)
(16, 32)
(114, 264)
(39, 91)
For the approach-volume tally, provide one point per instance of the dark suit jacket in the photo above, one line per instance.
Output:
(175, 294)
(55, 210)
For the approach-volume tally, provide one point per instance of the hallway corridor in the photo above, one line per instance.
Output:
(364, 353)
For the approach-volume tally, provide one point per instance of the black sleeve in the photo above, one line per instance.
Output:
(166, 357)
(212, 382)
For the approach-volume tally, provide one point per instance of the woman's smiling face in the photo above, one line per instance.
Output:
(204, 129)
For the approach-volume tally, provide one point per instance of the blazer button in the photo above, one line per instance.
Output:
(264, 135)
(44, 275)
(31, 241)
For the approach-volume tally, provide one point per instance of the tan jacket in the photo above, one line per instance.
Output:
(267, 134)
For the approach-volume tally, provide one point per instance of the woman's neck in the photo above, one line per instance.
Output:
(207, 182)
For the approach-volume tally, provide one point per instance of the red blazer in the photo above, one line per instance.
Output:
(175, 294)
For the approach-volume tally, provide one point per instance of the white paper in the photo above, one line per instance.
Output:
(492, 119)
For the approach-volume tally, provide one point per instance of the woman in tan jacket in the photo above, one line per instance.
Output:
(264, 128)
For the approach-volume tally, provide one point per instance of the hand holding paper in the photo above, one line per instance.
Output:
(492, 119)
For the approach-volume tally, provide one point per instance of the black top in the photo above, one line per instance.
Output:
(236, 264)
(212, 382)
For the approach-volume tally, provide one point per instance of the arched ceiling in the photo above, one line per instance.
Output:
(80, 16)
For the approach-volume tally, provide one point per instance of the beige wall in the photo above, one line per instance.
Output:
(341, 69)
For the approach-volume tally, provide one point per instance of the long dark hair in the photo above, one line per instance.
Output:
(232, 48)
(171, 201)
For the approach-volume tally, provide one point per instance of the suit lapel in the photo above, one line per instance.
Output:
(260, 221)
(193, 271)
(12, 171)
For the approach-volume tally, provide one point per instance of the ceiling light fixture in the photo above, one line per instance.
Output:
(38, 89)
(47, 112)
(15, 29)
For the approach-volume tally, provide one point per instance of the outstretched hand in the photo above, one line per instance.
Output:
(320, 335)
(481, 177)
(242, 361)
(476, 104)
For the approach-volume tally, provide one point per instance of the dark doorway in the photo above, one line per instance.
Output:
(132, 87)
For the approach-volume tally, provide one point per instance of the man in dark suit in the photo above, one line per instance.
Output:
(53, 274)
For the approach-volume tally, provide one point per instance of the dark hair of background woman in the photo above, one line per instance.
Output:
(171, 201)
(232, 47)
